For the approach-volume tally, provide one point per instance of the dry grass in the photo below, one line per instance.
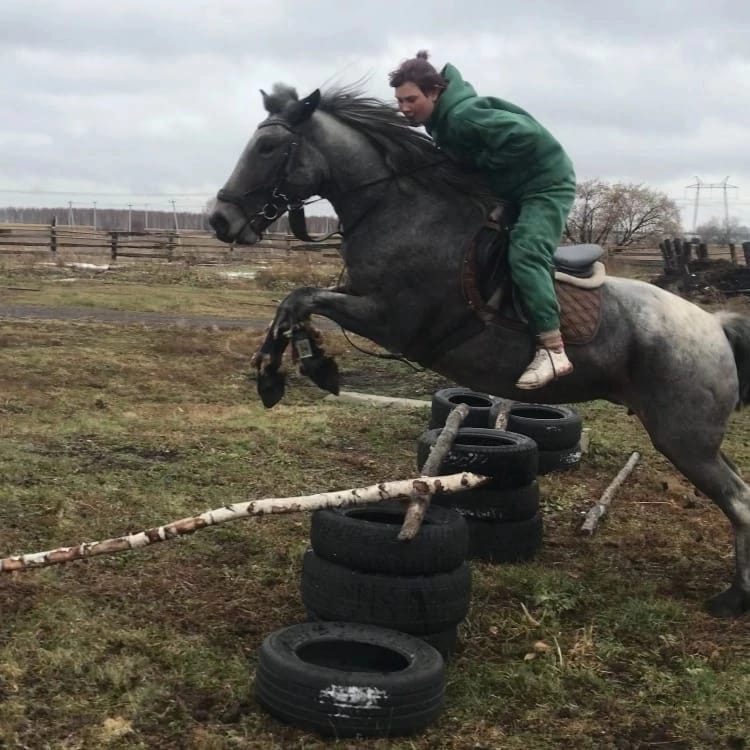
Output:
(110, 429)
(305, 271)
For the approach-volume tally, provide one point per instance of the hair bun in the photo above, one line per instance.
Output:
(423, 54)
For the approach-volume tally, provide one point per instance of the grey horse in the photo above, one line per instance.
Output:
(406, 213)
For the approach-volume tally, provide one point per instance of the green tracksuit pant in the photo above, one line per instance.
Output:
(533, 241)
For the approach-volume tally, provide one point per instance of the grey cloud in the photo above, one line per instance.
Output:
(147, 95)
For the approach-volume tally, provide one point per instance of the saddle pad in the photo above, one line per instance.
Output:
(580, 312)
(496, 302)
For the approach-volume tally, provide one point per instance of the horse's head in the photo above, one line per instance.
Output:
(278, 168)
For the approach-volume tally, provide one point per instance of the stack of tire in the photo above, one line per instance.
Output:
(358, 571)
(555, 429)
(503, 518)
(382, 615)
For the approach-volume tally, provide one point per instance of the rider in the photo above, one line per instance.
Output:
(524, 164)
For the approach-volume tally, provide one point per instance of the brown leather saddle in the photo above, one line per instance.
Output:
(491, 294)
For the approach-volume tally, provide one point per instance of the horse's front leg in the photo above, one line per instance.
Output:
(290, 316)
(267, 361)
(361, 315)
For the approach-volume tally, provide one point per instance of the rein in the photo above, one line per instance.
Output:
(298, 222)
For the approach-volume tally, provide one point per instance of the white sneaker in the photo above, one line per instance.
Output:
(547, 365)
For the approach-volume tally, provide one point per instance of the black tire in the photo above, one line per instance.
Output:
(563, 460)
(412, 604)
(550, 427)
(447, 399)
(514, 542)
(509, 458)
(444, 642)
(366, 538)
(480, 504)
(344, 679)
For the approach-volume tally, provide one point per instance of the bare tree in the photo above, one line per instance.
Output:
(620, 214)
(593, 215)
(717, 232)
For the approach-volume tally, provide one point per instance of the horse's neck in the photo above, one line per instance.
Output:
(353, 162)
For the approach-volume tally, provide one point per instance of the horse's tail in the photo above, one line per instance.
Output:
(737, 330)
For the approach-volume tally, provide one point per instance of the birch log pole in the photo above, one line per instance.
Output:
(403, 488)
(501, 421)
(600, 509)
(418, 505)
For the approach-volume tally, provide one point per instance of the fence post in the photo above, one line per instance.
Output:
(670, 262)
(113, 246)
(681, 261)
(53, 236)
(687, 251)
(733, 253)
(702, 251)
(746, 251)
(677, 250)
(170, 246)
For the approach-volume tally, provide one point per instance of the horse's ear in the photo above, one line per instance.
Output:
(301, 111)
(279, 99)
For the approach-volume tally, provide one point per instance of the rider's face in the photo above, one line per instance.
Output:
(414, 104)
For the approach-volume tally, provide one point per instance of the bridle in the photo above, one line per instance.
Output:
(278, 202)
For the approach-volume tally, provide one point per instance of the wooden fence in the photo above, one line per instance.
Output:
(68, 243)
(671, 253)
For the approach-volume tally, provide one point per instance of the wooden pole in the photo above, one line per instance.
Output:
(403, 488)
(501, 421)
(600, 509)
(113, 246)
(687, 250)
(670, 264)
(417, 509)
(53, 236)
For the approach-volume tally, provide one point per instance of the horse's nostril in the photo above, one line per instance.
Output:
(219, 224)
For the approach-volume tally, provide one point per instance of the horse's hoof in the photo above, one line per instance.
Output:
(730, 603)
(271, 386)
(323, 371)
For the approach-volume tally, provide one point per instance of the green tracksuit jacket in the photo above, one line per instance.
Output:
(524, 164)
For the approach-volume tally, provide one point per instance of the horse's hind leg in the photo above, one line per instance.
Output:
(697, 455)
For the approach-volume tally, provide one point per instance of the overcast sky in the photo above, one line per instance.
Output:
(143, 101)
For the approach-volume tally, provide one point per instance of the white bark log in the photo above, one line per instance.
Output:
(400, 489)
(600, 509)
(418, 505)
(501, 421)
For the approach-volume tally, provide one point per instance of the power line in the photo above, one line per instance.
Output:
(710, 186)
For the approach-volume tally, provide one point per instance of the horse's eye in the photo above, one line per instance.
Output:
(266, 148)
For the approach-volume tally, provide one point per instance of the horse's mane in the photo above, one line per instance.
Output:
(404, 149)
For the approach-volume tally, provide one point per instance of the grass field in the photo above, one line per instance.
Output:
(111, 429)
